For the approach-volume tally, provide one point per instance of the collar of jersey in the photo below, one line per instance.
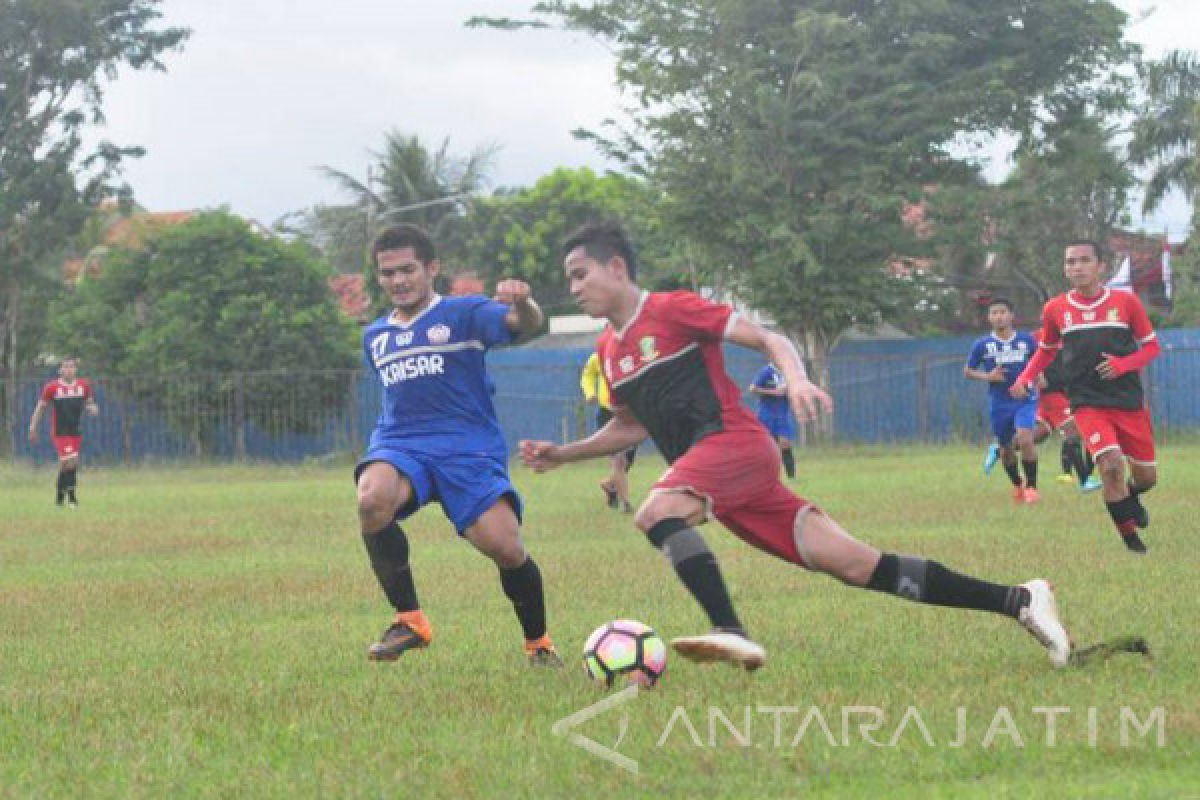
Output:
(1009, 340)
(437, 298)
(1074, 293)
(637, 312)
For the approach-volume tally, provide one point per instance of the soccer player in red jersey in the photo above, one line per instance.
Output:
(1105, 338)
(67, 397)
(1054, 414)
(661, 353)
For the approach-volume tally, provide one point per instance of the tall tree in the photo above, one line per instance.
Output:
(201, 302)
(55, 59)
(1166, 132)
(518, 232)
(788, 134)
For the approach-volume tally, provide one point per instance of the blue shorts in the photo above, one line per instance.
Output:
(779, 424)
(464, 485)
(1008, 417)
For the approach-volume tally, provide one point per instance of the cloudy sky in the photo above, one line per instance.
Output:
(267, 90)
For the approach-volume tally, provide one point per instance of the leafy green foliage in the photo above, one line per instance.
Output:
(206, 300)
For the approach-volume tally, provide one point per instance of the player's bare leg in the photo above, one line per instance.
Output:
(668, 518)
(827, 547)
(1008, 458)
(1122, 501)
(382, 491)
(497, 535)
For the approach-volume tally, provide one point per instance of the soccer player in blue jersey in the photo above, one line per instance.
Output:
(437, 437)
(775, 414)
(998, 359)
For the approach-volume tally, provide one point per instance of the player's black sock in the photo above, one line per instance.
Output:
(697, 567)
(1013, 474)
(1081, 465)
(930, 582)
(61, 489)
(523, 586)
(1066, 457)
(789, 462)
(1136, 490)
(388, 551)
(1030, 468)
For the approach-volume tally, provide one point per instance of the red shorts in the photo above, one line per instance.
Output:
(736, 473)
(67, 446)
(1105, 429)
(1054, 409)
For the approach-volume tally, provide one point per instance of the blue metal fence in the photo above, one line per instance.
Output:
(910, 390)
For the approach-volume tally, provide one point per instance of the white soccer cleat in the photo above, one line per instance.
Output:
(732, 648)
(1040, 618)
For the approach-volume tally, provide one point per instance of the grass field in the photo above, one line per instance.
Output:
(200, 632)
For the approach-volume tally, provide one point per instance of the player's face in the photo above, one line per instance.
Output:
(1081, 266)
(67, 370)
(594, 285)
(407, 281)
(1000, 317)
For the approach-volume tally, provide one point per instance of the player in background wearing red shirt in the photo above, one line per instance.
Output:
(1105, 338)
(662, 356)
(67, 396)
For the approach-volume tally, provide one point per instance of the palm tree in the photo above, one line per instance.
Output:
(1165, 134)
(432, 184)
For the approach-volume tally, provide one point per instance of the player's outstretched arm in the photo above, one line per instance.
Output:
(621, 433)
(808, 401)
(524, 316)
(36, 420)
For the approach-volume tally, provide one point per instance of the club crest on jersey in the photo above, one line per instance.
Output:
(438, 334)
(1114, 315)
(649, 353)
(404, 339)
(1088, 316)
(626, 364)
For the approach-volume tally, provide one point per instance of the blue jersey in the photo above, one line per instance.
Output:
(769, 377)
(437, 395)
(1012, 355)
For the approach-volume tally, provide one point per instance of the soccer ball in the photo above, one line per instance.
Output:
(625, 649)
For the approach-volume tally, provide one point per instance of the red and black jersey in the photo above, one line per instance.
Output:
(67, 401)
(1056, 377)
(1084, 329)
(665, 366)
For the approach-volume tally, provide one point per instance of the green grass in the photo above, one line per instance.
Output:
(200, 632)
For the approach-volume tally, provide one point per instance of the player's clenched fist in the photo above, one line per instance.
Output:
(511, 291)
(539, 456)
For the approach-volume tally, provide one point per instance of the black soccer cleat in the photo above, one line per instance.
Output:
(1134, 543)
(398, 639)
(610, 496)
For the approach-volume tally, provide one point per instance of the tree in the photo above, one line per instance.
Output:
(787, 135)
(202, 302)
(1167, 127)
(55, 57)
(518, 232)
(433, 186)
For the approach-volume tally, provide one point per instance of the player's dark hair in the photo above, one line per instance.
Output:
(65, 359)
(602, 240)
(1000, 301)
(1101, 256)
(397, 237)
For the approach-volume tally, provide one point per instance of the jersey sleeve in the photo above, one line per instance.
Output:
(589, 376)
(1051, 336)
(699, 317)
(47, 395)
(975, 357)
(487, 323)
(1139, 322)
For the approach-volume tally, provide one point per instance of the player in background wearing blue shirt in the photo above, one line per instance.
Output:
(775, 414)
(437, 437)
(998, 359)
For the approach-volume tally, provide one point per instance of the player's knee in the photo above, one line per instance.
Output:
(1145, 479)
(375, 509)
(1111, 467)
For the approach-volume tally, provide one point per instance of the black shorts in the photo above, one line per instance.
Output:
(603, 415)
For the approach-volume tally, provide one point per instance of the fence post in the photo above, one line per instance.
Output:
(239, 416)
(923, 397)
